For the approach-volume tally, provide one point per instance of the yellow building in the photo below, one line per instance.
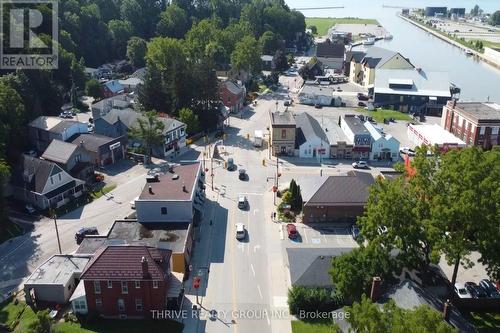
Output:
(282, 133)
(362, 65)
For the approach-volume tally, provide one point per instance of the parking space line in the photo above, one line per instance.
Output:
(253, 270)
(260, 292)
(305, 234)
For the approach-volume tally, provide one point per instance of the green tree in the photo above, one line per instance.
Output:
(312, 299)
(270, 42)
(495, 18)
(369, 317)
(41, 324)
(313, 29)
(173, 22)
(246, 55)
(188, 117)
(93, 88)
(136, 51)
(149, 130)
(120, 31)
(11, 115)
(4, 178)
(142, 14)
(280, 62)
(475, 10)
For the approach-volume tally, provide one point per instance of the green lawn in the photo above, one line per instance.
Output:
(120, 326)
(299, 326)
(10, 311)
(101, 192)
(324, 23)
(486, 322)
(9, 229)
(380, 114)
(26, 319)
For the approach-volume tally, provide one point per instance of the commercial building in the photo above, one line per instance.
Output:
(232, 95)
(283, 133)
(435, 11)
(311, 141)
(316, 94)
(103, 150)
(477, 124)
(44, 129)
(383, 146)
(54, 281)
(433, 135)
(361, 66)
(173, 197)
(412, 90)
(335, 198)
(356, 132)
(340, 145)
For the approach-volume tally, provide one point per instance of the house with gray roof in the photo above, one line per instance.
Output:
(116, 123)
(316, 94)
(412, 90)
(103, 150)
(339, 198)
(362, 65)
(71, 157)
(44, 129)
(311, 140)
(175, 136)
(44, 184)
(331, 54)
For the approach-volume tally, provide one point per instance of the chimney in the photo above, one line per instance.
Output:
(150, 189)
(375, 292)
(144, 265)
(81, 143)
(447, 310)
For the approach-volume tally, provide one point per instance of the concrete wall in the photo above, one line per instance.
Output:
(177, 211)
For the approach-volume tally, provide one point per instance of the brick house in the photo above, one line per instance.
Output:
(283, 133)
(232, 95)
(477, 124)
(127, 281)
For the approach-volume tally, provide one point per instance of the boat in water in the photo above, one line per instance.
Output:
(369, 41)
(469, 52)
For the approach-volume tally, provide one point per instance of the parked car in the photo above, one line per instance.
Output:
(242, 174)
(475, 290)
(230, 164)
(339, 89)
(80, 234)
(361, 104)
(407, 151)
(360, 165)
(489, 288)
(291, 231)
(461, 291)
(242, 202)
(362, 97)
(287, 102)
(317, 106)
(132, 203)
(241, 232)
(355, 231)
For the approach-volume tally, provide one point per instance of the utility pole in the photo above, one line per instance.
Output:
(277, 181)
(54, 215)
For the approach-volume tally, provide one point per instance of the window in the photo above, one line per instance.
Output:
(97, 287)
(80, 304)
(167, 138)
(481, 130)
(137, 284)
(59, 177)
(124, 287)
(182, 131)
(121, 305)
(283, 134)
(51, 180)
(494, 130)
(110, 284)
(163, 210)
(138, 304)
(155, 284)
(98, 303)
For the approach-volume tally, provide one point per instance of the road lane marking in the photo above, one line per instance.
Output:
(256, 247)
(253, 270)
(305, 234)
(260, 292)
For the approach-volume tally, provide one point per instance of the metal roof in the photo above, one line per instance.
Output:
(424, 83)
(59, 151)
(58, 269)
(310, 127)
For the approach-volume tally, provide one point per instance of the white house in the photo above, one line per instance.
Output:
(311, 141)
(175, 136)
(383, 146)
(172, 197)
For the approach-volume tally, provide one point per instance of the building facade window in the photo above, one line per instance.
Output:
(138, 304)
(121, 305)
(155, 284)
(137, 284)
(481, 130)
(124, 287)
(97, 287)
(110, 284)
(163, 210)
(98, 303)
(494, 130)
(283, 134)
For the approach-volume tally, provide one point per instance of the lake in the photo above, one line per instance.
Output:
(478, 80)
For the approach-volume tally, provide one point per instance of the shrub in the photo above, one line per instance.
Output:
(312, 299)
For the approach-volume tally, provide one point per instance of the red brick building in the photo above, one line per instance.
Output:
(127, 281)
(477, 124)
(232, 95)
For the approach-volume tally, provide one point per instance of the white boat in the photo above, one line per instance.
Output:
(469, 52)
(369, 41)
(388, 36)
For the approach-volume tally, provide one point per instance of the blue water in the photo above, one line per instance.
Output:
(478, 81)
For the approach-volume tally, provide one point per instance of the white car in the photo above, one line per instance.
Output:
(242, 202)
(407, 151)
(132, 203)
(360, 165)
(461, 291)
(240, 231)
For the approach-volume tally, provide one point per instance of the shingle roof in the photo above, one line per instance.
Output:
(372, 56)
(123, 263)
(310, 127)
(91, 142)
(52, 124)
(170, 124)
(35, 172)
(59, 151)
(343, 190)
(233, 87)
(114, 86)
(128, 117)
(330, 50)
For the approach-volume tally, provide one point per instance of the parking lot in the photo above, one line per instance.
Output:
(324, 235)
(469, 31)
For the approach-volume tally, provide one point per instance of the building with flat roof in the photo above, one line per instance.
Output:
(477, 124)
(356, 132)
(411, 90)
(433, 135)
(283, 133)
(44, 129)
(316, 94)
(55, 280)
(173, 197)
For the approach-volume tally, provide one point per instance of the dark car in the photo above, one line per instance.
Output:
(80, 234)
(242, 175)
(317, 106)
(489, 288)
(362, 97)
(475, 290)
(361, 104)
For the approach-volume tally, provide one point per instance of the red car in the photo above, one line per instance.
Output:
(292, 231)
